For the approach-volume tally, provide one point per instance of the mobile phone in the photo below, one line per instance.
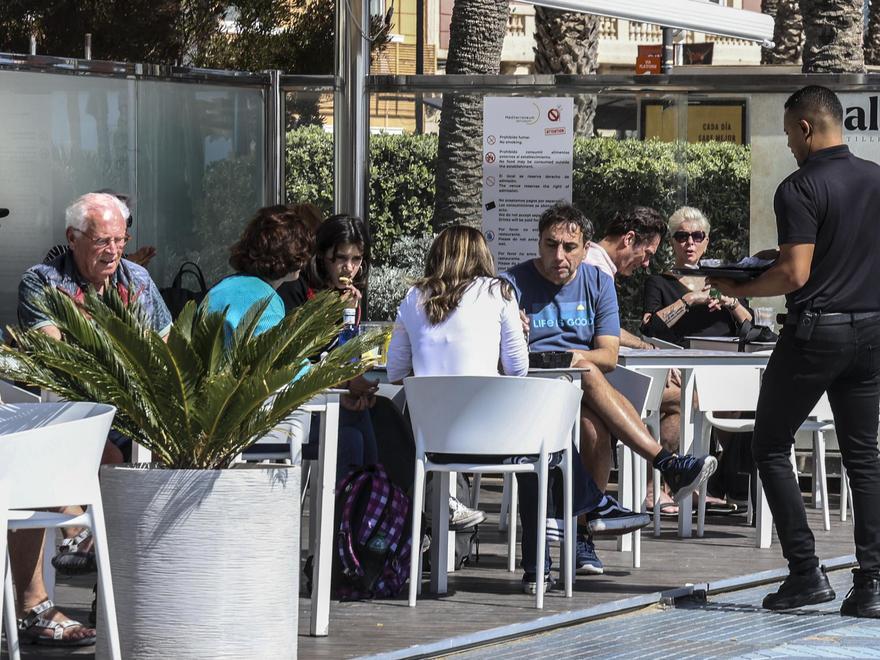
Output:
(806, 322)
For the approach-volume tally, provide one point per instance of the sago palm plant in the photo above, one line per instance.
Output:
(195, 401)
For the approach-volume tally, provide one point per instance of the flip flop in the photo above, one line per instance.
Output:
(721, 508)
(667, 510)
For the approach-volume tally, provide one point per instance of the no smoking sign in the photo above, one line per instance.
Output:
(553, 114)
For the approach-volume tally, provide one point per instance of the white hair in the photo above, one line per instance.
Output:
(688, 214)
(93, 206)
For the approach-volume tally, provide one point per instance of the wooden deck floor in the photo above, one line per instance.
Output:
(487, 596)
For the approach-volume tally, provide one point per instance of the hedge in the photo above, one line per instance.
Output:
(609, 174)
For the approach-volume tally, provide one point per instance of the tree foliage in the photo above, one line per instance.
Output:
(295, 36)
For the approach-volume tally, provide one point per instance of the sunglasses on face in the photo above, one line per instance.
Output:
(682, 236)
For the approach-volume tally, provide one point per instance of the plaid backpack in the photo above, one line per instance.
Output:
(373, 540)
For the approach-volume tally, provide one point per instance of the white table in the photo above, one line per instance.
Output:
(686, 361)
(323, 512)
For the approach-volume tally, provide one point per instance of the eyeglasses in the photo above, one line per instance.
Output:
(682, 236)
(103, 242)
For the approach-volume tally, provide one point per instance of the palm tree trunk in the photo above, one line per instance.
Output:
(568, 42)
(476, 33)
(769, 7)
(788, 32)
(872, 34)
(833, 32)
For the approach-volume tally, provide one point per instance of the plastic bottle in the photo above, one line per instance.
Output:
(349, 325)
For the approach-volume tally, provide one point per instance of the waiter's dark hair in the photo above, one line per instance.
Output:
(816, 104)
(568, 215)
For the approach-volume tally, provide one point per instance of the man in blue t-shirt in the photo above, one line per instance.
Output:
(568, 305)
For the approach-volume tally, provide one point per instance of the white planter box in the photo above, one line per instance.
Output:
(205, 562)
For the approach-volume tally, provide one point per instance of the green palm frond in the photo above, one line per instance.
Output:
(193, 402)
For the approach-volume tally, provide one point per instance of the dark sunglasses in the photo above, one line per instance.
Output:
(682, 236)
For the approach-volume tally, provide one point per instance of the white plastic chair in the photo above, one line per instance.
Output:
(636, 387)
(490, 416)
(736, 389)
(651, 418)
(10, 393)
(52, 452)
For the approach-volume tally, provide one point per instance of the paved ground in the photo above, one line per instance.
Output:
(486, 596)
(728, 625)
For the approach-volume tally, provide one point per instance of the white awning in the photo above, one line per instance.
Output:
(696, 15)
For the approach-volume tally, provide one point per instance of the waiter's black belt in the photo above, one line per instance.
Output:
(833, 318)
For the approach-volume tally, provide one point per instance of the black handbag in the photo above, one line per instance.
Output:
(176, 296)
(749, 333)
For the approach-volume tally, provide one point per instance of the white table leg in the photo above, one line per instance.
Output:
(686, 443)
(140, 454)
(626, 491)
(325, 482)
(440, 532)
(450, 542)
(763, 517)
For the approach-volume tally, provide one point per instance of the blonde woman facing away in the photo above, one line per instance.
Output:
(459, 319)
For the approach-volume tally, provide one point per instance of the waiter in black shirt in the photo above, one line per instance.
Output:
(828, 222)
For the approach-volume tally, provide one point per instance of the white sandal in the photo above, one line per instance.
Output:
(39, 618)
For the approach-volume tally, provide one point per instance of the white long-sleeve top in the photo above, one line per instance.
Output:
(469, 342)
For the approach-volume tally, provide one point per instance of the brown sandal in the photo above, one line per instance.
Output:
(39, 619)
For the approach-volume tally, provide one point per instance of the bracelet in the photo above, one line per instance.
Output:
(684, 302)
(733, 305)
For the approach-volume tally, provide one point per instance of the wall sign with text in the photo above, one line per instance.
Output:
(528, 146)
(719, 120)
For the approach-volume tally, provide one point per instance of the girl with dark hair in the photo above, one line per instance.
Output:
(342, 249)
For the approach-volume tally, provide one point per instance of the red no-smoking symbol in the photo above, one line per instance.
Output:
(490, 157)
(553, 114)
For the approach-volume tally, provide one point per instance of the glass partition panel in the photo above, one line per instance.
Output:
(201, 172)
(308, 158)
(61, 136)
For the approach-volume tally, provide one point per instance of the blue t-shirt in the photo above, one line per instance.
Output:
(569, 316)
(237, 294)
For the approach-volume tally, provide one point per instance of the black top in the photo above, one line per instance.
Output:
(833, 201)
(663, 290)
(294, 294)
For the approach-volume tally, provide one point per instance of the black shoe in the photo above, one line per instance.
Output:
(863, 600)
(801, 589)
(684, 474)
(530, 583)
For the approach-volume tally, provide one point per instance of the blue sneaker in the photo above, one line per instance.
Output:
(586, 562)
(684, 474)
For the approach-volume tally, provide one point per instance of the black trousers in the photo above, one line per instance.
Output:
(843, 360)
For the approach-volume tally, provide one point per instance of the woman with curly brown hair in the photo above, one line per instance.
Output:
(274, 247)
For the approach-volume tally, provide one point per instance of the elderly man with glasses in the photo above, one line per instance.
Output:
(97, 235)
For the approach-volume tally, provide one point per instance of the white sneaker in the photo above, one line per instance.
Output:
(462, 517)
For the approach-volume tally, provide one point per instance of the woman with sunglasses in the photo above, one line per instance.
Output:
(679, 306)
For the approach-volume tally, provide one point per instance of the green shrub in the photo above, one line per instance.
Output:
(401, 183)
(609, 175)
